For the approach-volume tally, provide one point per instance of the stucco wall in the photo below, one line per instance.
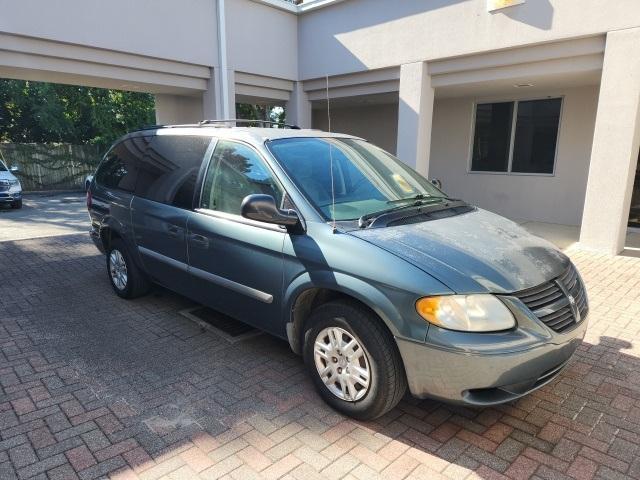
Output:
(358, 34)
(262, 39)
(556, 199)
(376, 123)
(182, 30)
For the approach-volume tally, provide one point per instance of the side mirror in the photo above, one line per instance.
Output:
(13, 168)
(87, 182)
(437, 183)
(263, 208)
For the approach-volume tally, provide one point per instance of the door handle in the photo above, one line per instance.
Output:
(200, 240)
(173, 230)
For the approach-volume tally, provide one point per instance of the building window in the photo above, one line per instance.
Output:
(516, 137)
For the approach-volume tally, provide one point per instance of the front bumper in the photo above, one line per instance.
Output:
(10, 197)
(487, 369)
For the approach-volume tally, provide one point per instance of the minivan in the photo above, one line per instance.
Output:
(378, 278)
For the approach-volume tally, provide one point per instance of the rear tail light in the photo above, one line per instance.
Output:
(89, 199)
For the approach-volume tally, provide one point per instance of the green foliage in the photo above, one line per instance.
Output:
(248, 111)
(54, 113)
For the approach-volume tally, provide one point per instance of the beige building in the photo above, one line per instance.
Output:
(530, 110)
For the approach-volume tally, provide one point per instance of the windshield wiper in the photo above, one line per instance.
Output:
(420, 199)
(415, 198)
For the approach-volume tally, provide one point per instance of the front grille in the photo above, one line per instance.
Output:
(550, 302)
(4, 185)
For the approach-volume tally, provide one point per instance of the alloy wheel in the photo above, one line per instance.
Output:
(342, 364)
(118, 269)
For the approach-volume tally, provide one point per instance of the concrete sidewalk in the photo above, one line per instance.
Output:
(44, 215)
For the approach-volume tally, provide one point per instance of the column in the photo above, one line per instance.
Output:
(209, 98)
(615, 145)
(178, 109)
(415, 114)
(298, 108)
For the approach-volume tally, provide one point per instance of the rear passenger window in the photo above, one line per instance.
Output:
(236, 171)
(119, 168)
(168, 171)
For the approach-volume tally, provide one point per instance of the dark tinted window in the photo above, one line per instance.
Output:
(534, 150)
(492, 137)
(119, 168)
(169, 169)
(236, 171)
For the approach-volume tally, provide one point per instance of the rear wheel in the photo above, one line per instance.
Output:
(127, 280)
(353, 360)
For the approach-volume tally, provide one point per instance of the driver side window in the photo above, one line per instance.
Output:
(236, 171)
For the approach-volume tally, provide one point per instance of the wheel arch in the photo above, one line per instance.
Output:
(307, 295)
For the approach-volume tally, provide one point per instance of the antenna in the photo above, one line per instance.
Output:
(333, 189)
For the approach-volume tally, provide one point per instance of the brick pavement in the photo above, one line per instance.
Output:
(93, 386)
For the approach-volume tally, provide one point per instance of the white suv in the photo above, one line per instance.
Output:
(10, 188)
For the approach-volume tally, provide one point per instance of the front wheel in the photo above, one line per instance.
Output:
(353, 360)
(127, 280)
(17, 204)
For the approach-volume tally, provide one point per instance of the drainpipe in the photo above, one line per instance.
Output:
(222, 59)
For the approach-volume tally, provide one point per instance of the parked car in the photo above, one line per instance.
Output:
(10, 188)
(373, 274)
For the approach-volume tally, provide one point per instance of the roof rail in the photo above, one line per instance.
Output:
(262, 123)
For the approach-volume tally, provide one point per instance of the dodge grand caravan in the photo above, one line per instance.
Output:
(375, 276)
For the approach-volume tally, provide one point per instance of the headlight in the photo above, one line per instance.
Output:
(467, 313)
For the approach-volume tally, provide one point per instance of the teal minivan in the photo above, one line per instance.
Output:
(374, 275)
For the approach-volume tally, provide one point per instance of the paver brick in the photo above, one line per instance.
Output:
(224, 411)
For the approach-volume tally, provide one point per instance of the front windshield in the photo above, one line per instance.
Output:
(3, 168)
(366, 179)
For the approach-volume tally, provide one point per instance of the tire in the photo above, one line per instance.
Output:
(134, 283)
(387, 380)
(17, 204)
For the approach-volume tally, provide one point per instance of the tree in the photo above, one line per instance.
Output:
(46, 113)
(249, 111)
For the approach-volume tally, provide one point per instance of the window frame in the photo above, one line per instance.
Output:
(232, 216)
(512, 139)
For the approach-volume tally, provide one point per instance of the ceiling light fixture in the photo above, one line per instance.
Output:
(523, 85)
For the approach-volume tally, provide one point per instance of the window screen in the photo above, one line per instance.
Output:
(169, 169)
(534, 149)
(492, 137)
(236, 171)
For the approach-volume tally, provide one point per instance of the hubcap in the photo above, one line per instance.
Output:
(118, 269)
(342, 364)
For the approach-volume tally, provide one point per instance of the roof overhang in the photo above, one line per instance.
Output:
(307, 6)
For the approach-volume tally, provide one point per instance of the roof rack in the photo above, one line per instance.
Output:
(262, 123)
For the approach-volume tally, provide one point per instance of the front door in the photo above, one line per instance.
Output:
(634, 212)
(236, 264)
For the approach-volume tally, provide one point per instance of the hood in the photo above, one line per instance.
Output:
(6, 175)
(473, 252)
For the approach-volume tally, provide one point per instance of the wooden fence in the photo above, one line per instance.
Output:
(52, 166)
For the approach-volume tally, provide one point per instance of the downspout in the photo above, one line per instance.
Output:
(222, 58)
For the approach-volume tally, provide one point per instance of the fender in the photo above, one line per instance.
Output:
(369, 294)
(125, 232)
